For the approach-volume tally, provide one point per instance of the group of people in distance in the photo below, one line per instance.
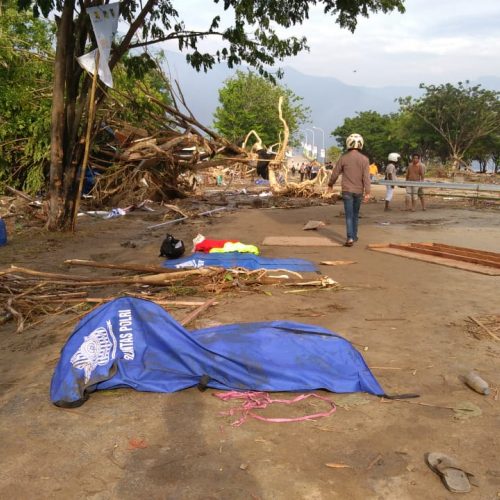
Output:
(357, 173)
(307, 171)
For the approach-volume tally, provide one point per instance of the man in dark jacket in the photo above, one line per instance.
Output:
(354, 168)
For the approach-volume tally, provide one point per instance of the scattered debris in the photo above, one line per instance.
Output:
(338, 466)
(260, 400)
(376, 461)
(486, 328)
(137, 444)
(194, 314)
(465, 410)
(475, 382)
(313, 224)
(209, 212)
(452, 474)
(385, 319)
(27, 295)
(337, 262)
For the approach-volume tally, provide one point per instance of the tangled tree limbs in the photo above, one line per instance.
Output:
(250, 37)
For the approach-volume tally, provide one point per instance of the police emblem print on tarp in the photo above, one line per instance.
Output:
(135, 343)
(96, 350)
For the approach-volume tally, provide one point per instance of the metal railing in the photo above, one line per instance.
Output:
(441, 185)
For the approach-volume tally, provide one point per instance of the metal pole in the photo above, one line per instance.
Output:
(312, 132)
(186, 217)
(323, 134)
(307, 139)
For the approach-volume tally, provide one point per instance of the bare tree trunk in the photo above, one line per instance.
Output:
(58, 118)
(69, 102)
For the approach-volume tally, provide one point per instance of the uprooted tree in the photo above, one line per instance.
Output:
(251, 37)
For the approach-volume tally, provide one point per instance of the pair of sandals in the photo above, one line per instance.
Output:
(453, 476)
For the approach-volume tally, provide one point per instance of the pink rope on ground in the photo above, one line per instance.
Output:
(260, 400)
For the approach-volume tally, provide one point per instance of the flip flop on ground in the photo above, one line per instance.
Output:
(454, 477)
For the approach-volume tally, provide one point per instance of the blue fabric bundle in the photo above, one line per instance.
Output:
(135, 343)
(235, 259)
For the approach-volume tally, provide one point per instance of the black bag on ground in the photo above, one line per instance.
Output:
(171, 248)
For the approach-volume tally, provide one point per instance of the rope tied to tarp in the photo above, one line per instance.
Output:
(260, 400)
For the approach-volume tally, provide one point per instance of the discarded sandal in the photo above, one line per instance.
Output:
(451, 473)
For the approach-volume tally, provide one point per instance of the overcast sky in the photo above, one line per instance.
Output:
(434, 41)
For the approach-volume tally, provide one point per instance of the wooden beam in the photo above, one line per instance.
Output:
(464, 250)
(415, 247)
(465, 266)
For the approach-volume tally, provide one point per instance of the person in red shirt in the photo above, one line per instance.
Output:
(354, 168)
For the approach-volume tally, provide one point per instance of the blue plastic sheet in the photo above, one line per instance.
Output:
(235, 259)
(135, 343)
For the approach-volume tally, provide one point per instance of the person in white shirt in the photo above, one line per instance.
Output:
(390, 175)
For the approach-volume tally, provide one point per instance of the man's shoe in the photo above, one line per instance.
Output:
(349, 243)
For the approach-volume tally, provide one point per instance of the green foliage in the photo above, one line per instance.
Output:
(377, 133)
(333, 153)
(25, 99)
(448, 123)
(26, 74)
(250, 102)
(252, 36)
(461, 116)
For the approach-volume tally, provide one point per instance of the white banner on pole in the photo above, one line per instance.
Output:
(315, 151)
(322, 153)
(104, 19)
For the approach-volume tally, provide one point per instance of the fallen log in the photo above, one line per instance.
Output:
(123, 267)
(163, 277)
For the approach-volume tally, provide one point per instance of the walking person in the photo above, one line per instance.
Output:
(302, 171)
(354, 168)
(390, 175)
(415, 172)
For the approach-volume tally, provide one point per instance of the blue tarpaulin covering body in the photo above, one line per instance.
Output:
(235, 259)
(135, 343)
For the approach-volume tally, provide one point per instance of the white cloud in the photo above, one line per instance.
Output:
(435, 41)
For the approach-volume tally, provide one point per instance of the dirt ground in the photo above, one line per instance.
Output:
(411, 315)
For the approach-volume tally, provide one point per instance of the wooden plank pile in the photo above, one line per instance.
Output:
(469, 259)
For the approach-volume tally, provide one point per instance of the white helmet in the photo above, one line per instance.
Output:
(394, 157)
(354, 141)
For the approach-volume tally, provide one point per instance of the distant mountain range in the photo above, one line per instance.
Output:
(330, 100)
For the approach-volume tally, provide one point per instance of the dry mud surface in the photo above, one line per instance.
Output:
(124, 444)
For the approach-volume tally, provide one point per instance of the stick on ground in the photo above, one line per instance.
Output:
(484, 327)
(194, 314)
